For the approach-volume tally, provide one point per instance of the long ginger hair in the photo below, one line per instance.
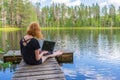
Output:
(35, 30)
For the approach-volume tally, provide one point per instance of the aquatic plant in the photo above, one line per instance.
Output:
(5, 65)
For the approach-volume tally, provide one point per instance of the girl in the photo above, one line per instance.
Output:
(30, 48)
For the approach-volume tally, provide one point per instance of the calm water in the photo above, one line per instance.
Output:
(96, 52)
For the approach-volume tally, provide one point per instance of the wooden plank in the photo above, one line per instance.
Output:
(39, 77)
(37, 69)
(13, 53)
(53, 79)
(13, 56)
(13, 59)
(65, 58)
(37, 73)
(53, 60)
(36, 66)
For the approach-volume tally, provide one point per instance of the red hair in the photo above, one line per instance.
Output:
(35, 30)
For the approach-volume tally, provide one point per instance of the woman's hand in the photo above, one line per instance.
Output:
(44, 52)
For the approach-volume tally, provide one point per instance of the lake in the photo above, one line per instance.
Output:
(96, 52)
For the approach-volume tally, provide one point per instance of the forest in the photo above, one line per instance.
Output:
(19, 13)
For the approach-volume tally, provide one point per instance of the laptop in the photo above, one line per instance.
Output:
(48, 46)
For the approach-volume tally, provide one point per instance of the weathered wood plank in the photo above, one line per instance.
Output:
(47, 72)
(13, 53)
(43, 77)
(49, 61)
(36, 66)
(38, 69)
(13, 56)
(53, 79)
(65, 58)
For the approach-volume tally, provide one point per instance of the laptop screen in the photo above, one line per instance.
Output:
(48, 45)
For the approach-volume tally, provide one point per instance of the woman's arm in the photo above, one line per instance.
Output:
(39, 55)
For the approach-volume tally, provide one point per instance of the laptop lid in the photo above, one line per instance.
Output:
(48, 46)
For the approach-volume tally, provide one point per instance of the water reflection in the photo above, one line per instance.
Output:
(7, 73)
(98, 58)
(12, 38)
(96, 52)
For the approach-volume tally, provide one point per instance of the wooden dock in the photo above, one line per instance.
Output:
(14, 56)
(50, 70)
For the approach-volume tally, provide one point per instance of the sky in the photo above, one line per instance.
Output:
(116, 3)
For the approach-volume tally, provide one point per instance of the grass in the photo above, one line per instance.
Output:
(79, 28)
(9, 29)
(64, 28)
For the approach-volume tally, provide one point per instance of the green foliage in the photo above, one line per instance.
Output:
(1, 51)
(5, 65)
(17, 13)
(60, 15)
(21, 13)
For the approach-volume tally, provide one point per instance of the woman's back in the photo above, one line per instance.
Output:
(28, 48)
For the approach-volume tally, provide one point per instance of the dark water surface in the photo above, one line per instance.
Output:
(96, 52)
